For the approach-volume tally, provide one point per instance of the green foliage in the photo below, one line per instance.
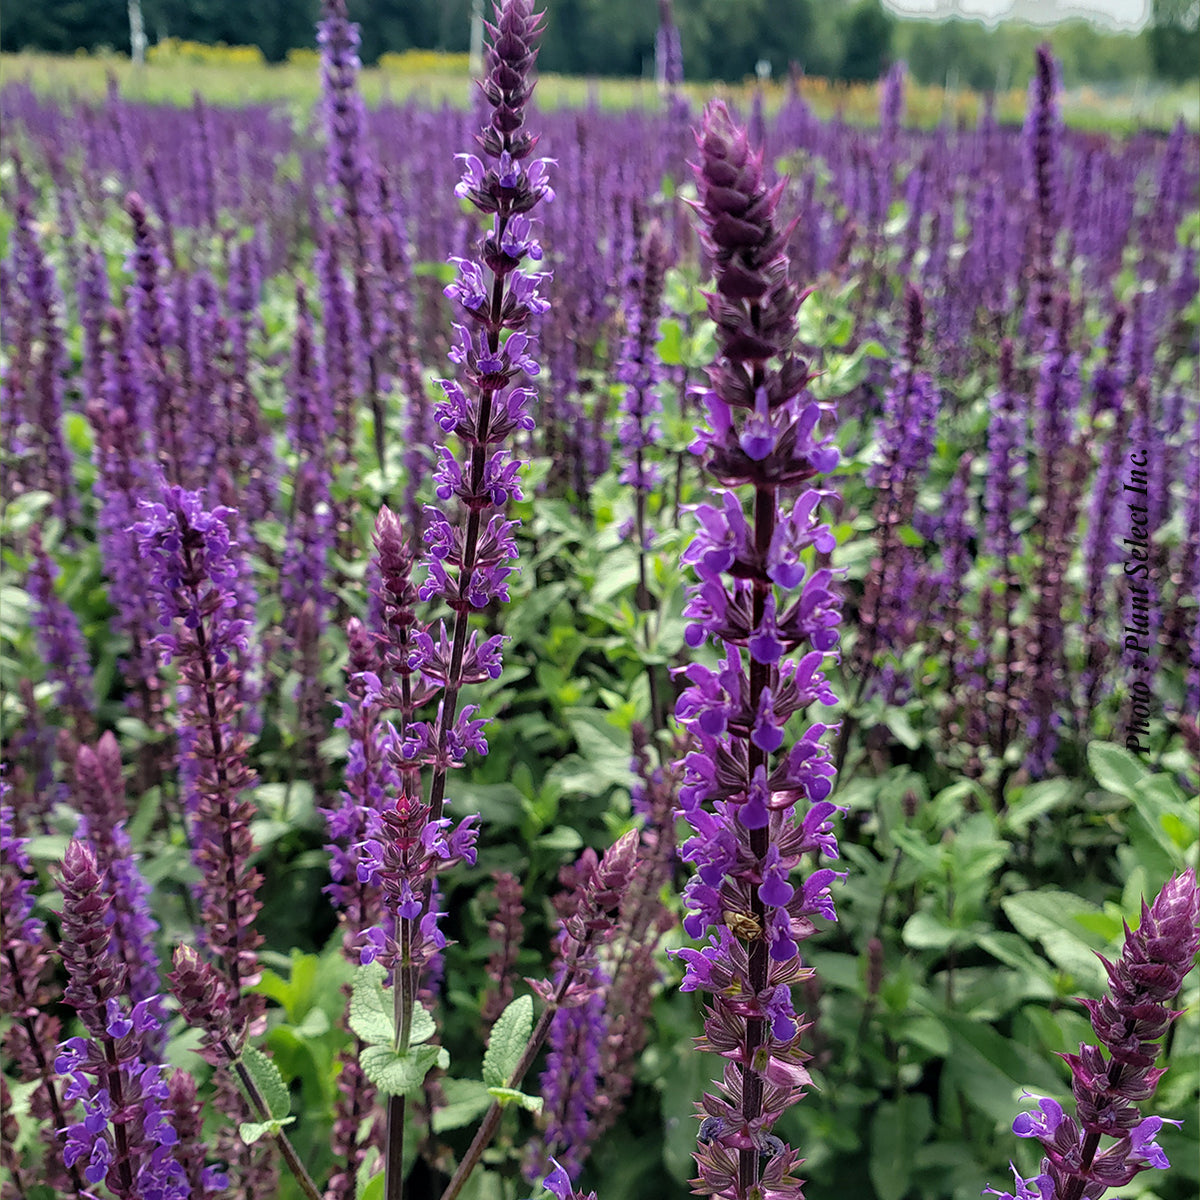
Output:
(510, 1036)
(395, 1071)
(1174, 37)
(401, 1073)
(267, 1083)
(990, 898)
(868, 41)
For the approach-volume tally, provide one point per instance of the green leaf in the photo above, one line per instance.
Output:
(422, 1026)
(902, 729)
(1037, 800)
(1051, 917)
(372, 1189)
(510, 1036)
(898, 1130)
(562, 838)
(251, 1131)
(927, 931)
(1115, 768)
(466, 1100)
(506, 1096)
(371, 1006)
(670, 343)
(398, 1074)
(268, 1082)
(990, 1070)
(315, 1024)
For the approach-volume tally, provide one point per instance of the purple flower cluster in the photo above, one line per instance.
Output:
(345, 114)
(368, 780)
(123, 476)
(196, 577)
(758, 599)
(33, 382)
(60, 640)
(100, 799)
(570, 1079)
(639, 370)
(1041, 144)
(401, 856)
(467, 565)
(125, 1136)
(668, 49)
(304, 572)
(504, 932)
(354, 198)
(1129, 1022)
(888, 614)
(1062, 468)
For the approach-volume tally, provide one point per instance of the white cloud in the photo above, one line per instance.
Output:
(1123, 14)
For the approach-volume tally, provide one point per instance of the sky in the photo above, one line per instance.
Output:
(1129, 14)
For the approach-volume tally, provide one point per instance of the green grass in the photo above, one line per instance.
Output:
(235, 83)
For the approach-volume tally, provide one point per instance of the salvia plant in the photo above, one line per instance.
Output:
(656, 653)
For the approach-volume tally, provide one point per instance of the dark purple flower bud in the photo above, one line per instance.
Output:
(154, 332)
(1042, 147)
(95, 973)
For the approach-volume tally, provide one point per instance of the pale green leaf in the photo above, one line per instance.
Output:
(268, 1082)
(371, 1006)
(251, 1131)
(506, 1096)
(397, 1074)
(466, 1100)
(510, 1036)
(1115, 768)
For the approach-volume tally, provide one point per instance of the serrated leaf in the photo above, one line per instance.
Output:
(251, 1131)
(422, 1027)
(1115, 768)
(506, 1096)
(268, 1082)
(510, 1036)
(371, 1007)
(397, 1074)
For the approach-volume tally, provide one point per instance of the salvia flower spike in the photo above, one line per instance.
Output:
(469, 540)
(756, 805)
(1129, 1022)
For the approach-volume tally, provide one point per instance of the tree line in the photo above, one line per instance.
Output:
(722, 39)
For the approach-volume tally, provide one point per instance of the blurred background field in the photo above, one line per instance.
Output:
(231, 75)
(1138, 68)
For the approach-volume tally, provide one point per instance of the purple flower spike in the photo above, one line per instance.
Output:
(743, 788)
(1129, 1021)
(124, 1136)
(404, 838)
(195, 574)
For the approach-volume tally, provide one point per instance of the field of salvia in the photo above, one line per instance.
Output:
(552, 653)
